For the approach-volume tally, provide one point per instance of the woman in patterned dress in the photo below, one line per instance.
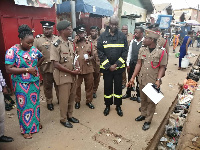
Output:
(175, 41)
(22, 61)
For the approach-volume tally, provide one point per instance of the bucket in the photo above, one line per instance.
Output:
(184, 62)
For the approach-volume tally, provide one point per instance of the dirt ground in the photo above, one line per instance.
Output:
(96, 131)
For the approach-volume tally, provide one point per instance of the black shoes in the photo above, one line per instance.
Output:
(146, 126)
(77, 105)
(140, 118)
(50, 107)
(126, 96)
(67, 124)
(136, 99)
(94, 95)
(90, 105)
(119, 111)
(73, 120)
(140, 109)
(6, 139)
(106, 110)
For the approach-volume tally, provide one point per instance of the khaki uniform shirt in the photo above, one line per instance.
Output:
(147, 73)
(129, 38)
(85, 67)
(96, 60)
(42, 43)
(62, 52)
(161, 42)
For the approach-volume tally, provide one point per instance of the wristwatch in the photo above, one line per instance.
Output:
(158, 79)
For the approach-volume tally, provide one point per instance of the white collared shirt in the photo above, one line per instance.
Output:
(130, 50)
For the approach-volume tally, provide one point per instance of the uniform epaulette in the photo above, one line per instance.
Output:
(57, 43)
(38, 36)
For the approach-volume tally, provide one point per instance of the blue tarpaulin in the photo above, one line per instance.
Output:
(98, 7)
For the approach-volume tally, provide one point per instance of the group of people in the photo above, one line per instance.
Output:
(65, 64)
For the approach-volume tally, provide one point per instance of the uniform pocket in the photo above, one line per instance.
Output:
(156, 61)
(63, 57)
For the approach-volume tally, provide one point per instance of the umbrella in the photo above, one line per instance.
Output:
(193, 22)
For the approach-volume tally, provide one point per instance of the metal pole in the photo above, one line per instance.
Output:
(197, 12)
(73, 16)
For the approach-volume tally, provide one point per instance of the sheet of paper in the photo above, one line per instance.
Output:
(152, 93)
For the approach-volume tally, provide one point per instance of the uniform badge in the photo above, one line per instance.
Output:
(38, 36)
(57, 43)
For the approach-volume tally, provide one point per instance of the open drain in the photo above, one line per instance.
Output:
(170, 129)
(112, 140)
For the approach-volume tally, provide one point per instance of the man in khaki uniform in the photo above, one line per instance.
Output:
(62, 56)
(162, 42)
(129, 38)
(84, 50)
(96, 62)
(150, 66)
(43, 42)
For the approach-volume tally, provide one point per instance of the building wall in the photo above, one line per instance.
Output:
(11, 17)
(128, 9)
(189, 13)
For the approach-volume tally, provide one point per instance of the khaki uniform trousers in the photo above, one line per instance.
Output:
(2, 114)
(48, 82)
(124, 79)
(88, 79)
(67, 95)
(96, 76)
(148, 107)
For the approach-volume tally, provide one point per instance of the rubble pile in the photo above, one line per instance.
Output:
(176, 121)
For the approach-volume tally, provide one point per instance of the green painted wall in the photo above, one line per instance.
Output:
(134, 2)
(130, 23)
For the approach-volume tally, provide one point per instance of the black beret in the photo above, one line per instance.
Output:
(93, 27)
(80, 28)
(47, 24)
(155, 25)
(63, 25)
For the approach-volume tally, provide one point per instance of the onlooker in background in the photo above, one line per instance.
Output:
(22, 61)
(193, 37)
(198, 39)
(132, 58)
(129, 38)
(3, 90)
(184, 47)
(175, 41)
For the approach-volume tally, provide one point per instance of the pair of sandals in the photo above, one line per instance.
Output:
(29, 136)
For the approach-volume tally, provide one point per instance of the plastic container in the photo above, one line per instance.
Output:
(184, 62)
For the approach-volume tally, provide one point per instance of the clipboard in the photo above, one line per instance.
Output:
(153, 93)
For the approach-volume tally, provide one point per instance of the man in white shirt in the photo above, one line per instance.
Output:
(132, 58)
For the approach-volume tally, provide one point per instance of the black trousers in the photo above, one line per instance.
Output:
(128, 92)
(110, 79)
